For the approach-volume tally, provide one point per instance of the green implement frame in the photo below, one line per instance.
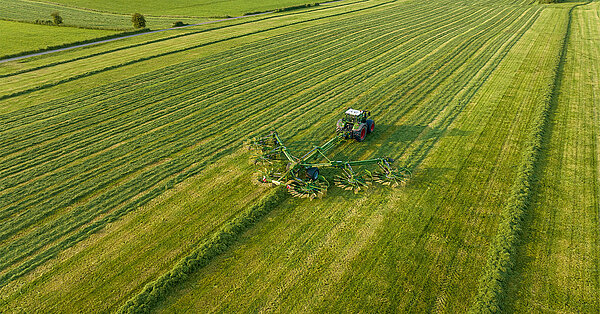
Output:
(301, 174)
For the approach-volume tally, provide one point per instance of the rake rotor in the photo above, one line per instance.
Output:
(351, 180)
(308, 188)
(387, 175)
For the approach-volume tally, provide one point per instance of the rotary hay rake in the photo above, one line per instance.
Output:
(301, 174)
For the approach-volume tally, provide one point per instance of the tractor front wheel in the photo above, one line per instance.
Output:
(361, 134)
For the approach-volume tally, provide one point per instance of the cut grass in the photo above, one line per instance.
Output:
(558, 261)
(107, 182)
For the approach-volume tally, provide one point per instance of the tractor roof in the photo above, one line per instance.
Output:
(353, 112)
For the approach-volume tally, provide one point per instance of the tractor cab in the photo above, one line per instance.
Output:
(355, 124)
(354, 116)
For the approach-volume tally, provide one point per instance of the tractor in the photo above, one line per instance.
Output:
(301, 174)
(355, 124)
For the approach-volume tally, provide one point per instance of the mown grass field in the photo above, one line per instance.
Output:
(558, 260)
(118, 161)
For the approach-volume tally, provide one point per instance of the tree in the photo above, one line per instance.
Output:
(138, 20)
(56, 18)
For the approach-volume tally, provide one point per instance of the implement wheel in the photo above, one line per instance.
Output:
(361, 134)
(312, 173)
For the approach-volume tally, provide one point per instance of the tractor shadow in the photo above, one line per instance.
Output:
(410, 144)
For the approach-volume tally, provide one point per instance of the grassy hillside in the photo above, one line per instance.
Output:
(119, 160)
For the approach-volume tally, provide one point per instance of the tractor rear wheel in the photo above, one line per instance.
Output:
(370, 126)
(361, 134)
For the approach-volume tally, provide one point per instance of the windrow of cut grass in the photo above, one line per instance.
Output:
(123, 143)
(557, 262)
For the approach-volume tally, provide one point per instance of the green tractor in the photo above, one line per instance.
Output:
(301, 174)
(355, 124)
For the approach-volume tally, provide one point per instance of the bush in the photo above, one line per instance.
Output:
(179, 24)
(138, 20)
(56, 18)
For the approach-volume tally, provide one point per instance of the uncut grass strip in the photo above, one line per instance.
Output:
(130, 62)
(500, 259)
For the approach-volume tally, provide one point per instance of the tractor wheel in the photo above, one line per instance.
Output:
(312, 173)
(361, 134)
(370, 126)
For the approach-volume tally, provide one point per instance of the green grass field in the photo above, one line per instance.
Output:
(18, 37)
(202, 8)
(30, 11)
(122, 159)
(558, 261)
